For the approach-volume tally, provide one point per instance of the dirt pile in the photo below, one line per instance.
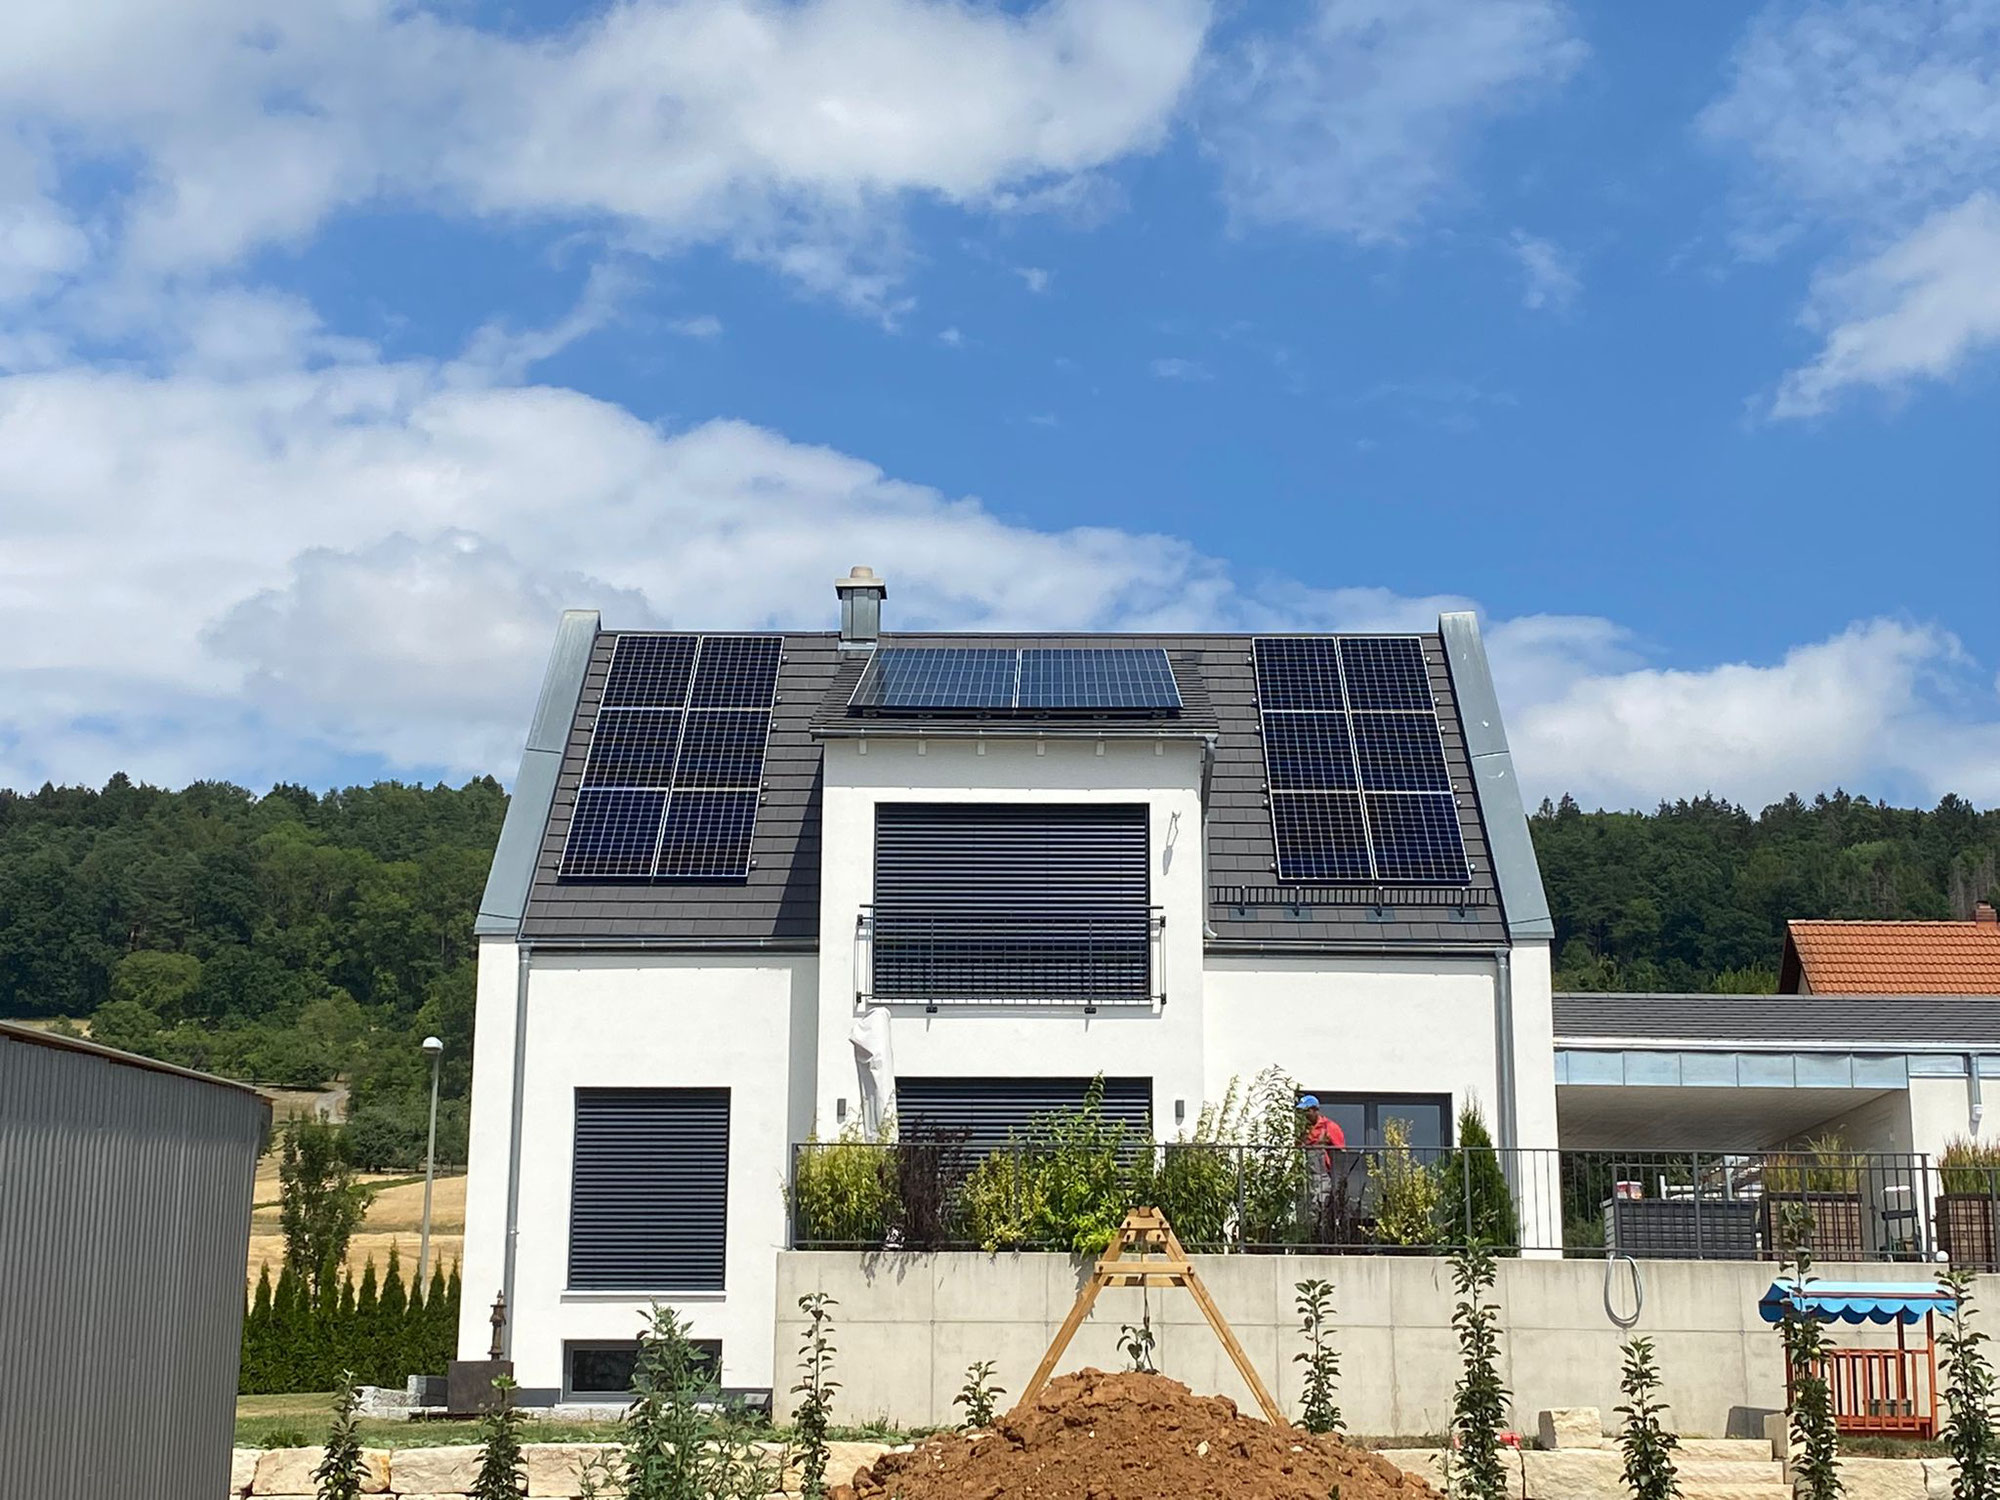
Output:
(1093, 1436)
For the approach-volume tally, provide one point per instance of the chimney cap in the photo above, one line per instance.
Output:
(1984, 912)
(861, 576)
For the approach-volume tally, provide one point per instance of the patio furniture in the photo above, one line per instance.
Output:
(1880, 1392)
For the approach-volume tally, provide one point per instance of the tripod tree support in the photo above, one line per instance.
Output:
(1130, 1261)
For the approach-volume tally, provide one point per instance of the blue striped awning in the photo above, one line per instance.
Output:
(1857, 1301)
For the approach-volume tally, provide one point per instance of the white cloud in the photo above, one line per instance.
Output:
(1356, 124)
(1873, 127)
(1550, 279)
(1870, 708)
(702, 326)
(341, 561)
(1869, 112)
(1920, 309)
(788, 133)
(1035, 278)
(951, 338)
(1170, 367)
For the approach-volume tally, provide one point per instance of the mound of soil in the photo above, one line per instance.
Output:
(1093, 1436)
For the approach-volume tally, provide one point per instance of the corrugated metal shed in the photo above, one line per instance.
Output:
(125, 1190)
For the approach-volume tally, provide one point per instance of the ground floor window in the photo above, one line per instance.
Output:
(1426, 1118)
(601, 1369)
(990, 1111)
(649, 1190)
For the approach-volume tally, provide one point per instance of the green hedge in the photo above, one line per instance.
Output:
(381, 1330)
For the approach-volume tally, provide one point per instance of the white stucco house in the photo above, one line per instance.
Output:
(1006, 864)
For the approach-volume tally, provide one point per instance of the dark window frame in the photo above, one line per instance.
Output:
(571, 1391)
(683, 1286)
(1372, 1104)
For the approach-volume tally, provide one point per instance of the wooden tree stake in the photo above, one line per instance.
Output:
(1144, 1234)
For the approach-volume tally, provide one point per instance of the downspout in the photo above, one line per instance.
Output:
(1503, 1051)
(514, 1148)
(1977, 1105)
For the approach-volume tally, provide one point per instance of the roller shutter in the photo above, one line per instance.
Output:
(1008, 901)
(991, 1110)
(649, 1195)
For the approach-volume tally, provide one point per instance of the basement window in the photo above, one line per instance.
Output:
(601, 1369)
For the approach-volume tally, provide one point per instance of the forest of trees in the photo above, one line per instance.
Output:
(297, 938)
(289, 939)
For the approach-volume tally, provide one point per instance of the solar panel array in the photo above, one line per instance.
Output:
(989, 679)
(676, 761)
(1359, 787)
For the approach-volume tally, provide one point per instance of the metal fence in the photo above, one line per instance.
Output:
(938, 1193)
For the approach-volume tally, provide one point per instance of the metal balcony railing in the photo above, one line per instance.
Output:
(937, 958)
(934, 1192)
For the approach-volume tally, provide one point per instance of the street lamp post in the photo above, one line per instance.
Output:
(436, 1050)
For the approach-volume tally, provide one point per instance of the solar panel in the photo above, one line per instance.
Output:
(671, 780)
(649, 671)
(613, 833)
(996, 679)
(1298, 673)
(707, 834)
(1400, 753)
(1308, 752)
(1356, 714)
(1385, 672)
(739, 671)
(633, 747)
(938, 677)
(1320, 835)
(1098, 678)
(722, 747)
(1417, 838)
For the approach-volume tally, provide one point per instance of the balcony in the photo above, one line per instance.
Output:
(937, 1193)
(937, 958)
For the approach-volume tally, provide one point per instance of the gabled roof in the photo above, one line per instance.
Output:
(1249, 908)
(1891, 958)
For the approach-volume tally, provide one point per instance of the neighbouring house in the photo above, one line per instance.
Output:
(755, 889)
(125, 1188)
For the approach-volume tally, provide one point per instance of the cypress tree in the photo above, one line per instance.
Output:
(366, 1302)
(347, 1348)
(255, 1370)
(390, 1323)
(283, 1341)
(1478, 1205)
(415, 1339)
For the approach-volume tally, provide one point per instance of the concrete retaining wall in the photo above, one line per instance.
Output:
(908, 1326)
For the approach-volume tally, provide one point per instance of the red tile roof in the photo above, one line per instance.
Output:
(1892, 958)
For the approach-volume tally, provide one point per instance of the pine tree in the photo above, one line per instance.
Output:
(501, 1476)
(339, 1475)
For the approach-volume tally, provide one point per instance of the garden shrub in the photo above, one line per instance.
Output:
(841, 1191)
(1001, 1202)
(1478, 1205)
(1408, 1195)
(1274, 1168)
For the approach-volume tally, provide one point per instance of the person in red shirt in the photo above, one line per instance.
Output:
(1322, 1138)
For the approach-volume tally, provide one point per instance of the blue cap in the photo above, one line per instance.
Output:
(1308, 1101)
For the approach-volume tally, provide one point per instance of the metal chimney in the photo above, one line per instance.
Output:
(861, 595)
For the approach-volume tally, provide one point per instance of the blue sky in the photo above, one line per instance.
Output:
(340, 347)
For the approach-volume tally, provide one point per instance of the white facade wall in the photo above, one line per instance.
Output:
(1161, 1042)
(627, 1020)
(775, 1031)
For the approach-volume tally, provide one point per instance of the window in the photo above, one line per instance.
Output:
(649, 1191)
(1427, 1118)
(992, 1110)
(602, 1369)
(1012, 902)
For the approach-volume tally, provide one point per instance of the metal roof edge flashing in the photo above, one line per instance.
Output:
(1523, 901)
(513, 870)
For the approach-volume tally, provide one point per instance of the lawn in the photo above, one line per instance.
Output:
(300, 1421)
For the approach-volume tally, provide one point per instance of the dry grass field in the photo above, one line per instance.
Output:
(395, 1217)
